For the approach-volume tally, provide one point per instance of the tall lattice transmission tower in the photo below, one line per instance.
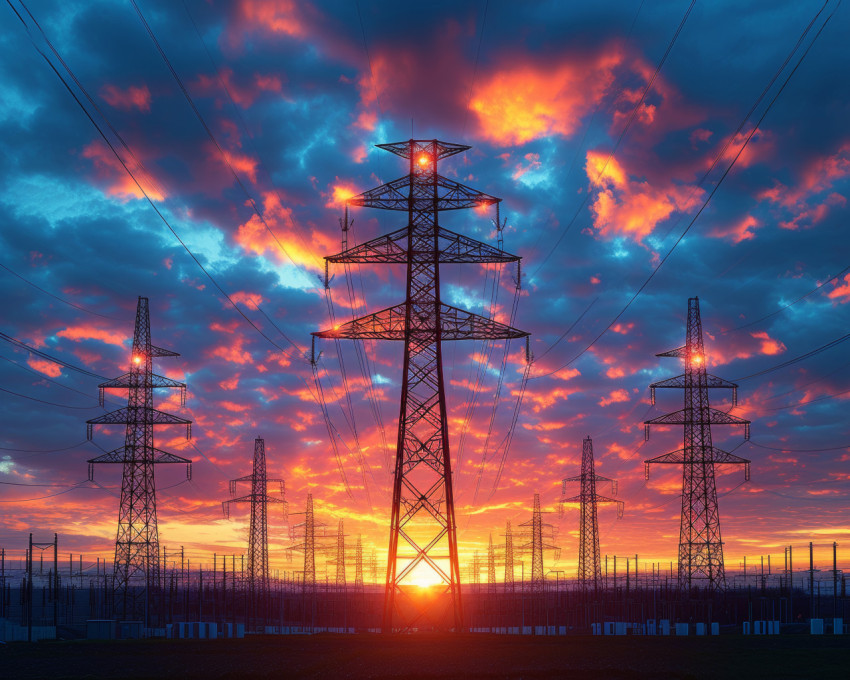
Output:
(423, 513)
(700, 544)
(258, 532)
(137, 563)
(540, 532)
(491, 567)
(340, 555)
(589, 565)
(306, 530)
(509, 557)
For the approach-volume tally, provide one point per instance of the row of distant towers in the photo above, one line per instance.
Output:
(423, 525)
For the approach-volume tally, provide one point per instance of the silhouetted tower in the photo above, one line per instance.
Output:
(258, 535)
(537, 547)
(509, 557)
(700, 545)
(340, 556)
(137, 567)
(309, 546)
(491, 567)
(589, 565)
(358, 563)
(423, 513)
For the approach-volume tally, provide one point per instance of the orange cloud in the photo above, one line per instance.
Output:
(630, 207)
(277, 16)
(84, 332)
(119, 183)
(841, 289)
(233, 352)
(43, 366)
(255, 238)
(817, 177)
(741, 230)
(769, 346)
(615, 397)
(251, 299)
(131, 98)
(518, 104)
(744, 349)
(242, 164)
(242, 95)
(339, 194)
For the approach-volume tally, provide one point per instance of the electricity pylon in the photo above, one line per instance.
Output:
(258, 533)
(700, 544)
(589, 564)
(537, 546)
(423, 513)
(137, 567)
(509, 557)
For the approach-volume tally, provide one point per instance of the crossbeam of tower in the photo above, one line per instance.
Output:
(258, 533)
(137, 563)
(422, 524)
(589, 564)
(700, 543)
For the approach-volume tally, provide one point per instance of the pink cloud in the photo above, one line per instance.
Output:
(614, 397)
(131, 98)
(626, 206)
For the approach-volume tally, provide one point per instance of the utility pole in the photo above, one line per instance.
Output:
(136, 575)
(589, 564)
(423, 512)
(258, 534)
(700, 544)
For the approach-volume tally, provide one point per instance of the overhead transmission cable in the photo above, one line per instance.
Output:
(701, 209)
(625, 129)
(144, 192)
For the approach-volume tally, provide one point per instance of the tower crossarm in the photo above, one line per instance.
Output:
(120, 456)
(162, 352)
(410, 193)
(581, 478)
(685, 416)
(455, 324)
(416, 146)
(679, 352)
(453, 248)
(138, 380)
(680, 382)
(127, 416)
(711, 455)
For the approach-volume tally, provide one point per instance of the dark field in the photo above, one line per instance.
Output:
(435, 656)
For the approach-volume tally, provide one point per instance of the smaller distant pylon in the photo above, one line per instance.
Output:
(589, 564)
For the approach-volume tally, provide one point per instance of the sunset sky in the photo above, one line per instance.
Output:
(600, 178)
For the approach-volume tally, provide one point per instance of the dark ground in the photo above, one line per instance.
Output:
(421, 656)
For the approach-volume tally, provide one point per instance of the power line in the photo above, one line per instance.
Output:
(49, 403)
(143, 190)
(784, 307)
(620, 138)
(55, 297)
(796, 359)
(702, 208)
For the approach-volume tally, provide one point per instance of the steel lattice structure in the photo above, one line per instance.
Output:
(423, 515)
(509, 557)
(589, 564)
(137, 560)
(258, 532)
(700, 544)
